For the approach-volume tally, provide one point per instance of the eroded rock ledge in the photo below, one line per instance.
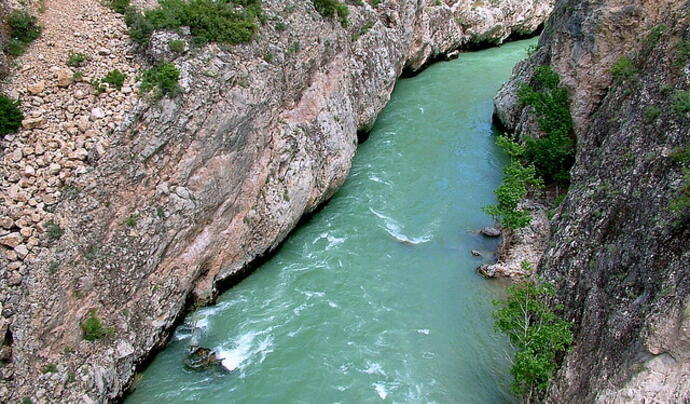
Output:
(617, 254)
(192, 190)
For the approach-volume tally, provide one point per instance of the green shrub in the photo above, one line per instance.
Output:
(138, 27)
(23, 29)
(54, 231)
(119, 6)
(681, 204)
(10, 116)
(132, 220)
(680, 102)
(281, 26)
(651, 113)
(682, 53)
(164, 79)
(115, 78)
(92, 328)
(75, 59)
(623, 69)
(652, 39)
(208, 20)
(554, 153)
(537, 332)
(176, 45)
(23, 26)
(49, 368)
(332, 8)
(517, 177)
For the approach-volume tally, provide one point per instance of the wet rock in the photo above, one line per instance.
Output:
(487, 271)
(476, 253)
(200, 358)
(490, 232)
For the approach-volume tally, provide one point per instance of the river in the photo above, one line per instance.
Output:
(374, 299)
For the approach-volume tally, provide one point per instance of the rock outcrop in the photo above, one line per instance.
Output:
(185, 193)
(618, 254)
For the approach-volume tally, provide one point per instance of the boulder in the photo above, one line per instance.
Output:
(490, 232)
(200, 358)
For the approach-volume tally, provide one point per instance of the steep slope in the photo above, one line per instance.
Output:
(192, 190)
(619, 255)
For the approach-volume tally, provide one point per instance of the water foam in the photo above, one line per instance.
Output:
(394, 230)
(246, 347)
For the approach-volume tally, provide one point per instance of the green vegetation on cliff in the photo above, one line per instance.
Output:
(226, 21)
(553, 153)
(681, 204)
(10, 116)
(331, 8)
(518, 175)
(538, 160)
(536, 331)
(24, 29)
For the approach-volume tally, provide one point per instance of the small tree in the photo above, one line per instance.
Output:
(10, 116)
(536, 331)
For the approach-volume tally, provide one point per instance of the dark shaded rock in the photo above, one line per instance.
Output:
(200, 358)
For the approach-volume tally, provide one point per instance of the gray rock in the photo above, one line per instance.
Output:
(490, 232)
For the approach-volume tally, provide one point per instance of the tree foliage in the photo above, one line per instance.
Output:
(536, 331)
(553, 153)
(10, 116)
(517, 177)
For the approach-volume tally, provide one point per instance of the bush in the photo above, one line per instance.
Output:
(24, 29)
(92, 328)
(163, 78)
(54, 231)
(623, 69)
(138, 27)
(115, 78)
(516, 180)
(651, 113)
(75, 59)
(209, 20)
(119, 6)
(176, 45)
(10, 116)
(23, 26)
(331, 8)
(536, 331)
(680, 102)
(681, 204)
(554, 153)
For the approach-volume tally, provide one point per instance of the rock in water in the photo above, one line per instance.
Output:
(476, 253)
(200, 358)
(490, 232)
(487, 271)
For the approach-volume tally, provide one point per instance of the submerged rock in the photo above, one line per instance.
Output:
(476, 253)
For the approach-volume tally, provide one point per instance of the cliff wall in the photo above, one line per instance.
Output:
(619, 254)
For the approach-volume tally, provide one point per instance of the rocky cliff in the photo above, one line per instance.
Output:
(619, 254)
(163, 203)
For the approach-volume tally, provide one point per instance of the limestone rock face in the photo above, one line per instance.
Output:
(190, 191)
(618, 254)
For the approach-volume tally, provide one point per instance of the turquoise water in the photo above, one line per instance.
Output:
(375, 299)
